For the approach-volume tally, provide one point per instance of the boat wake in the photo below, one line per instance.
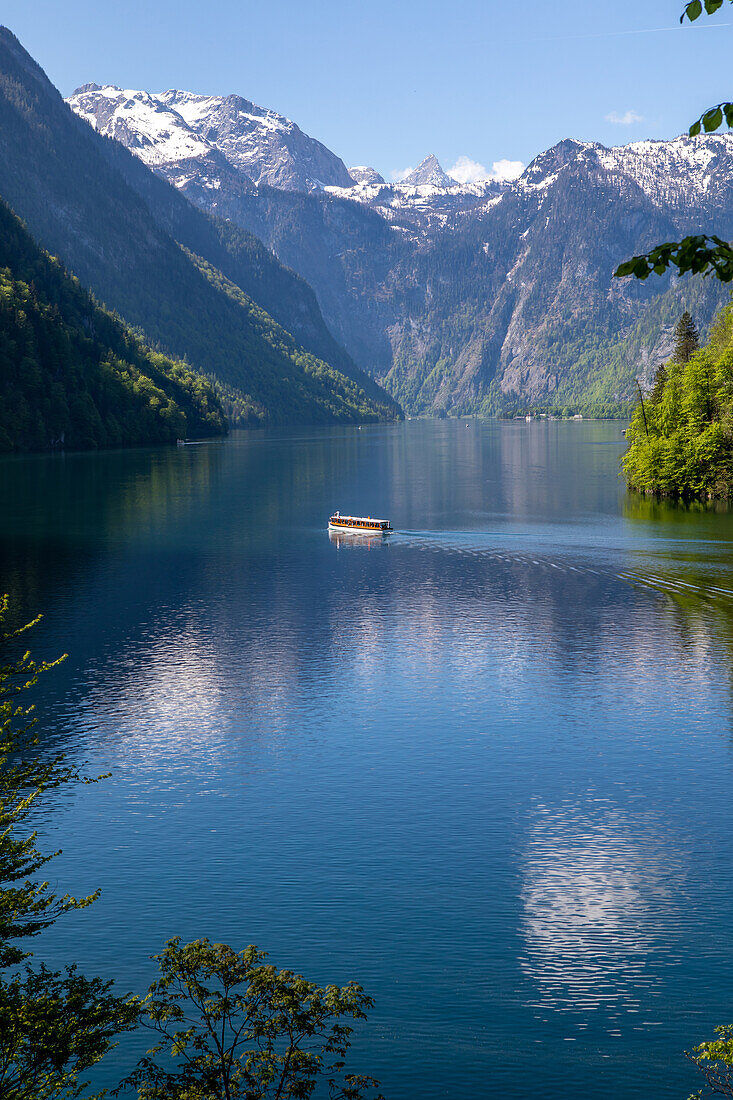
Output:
(472, 545)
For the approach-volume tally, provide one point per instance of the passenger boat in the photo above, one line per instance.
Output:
(359, 525)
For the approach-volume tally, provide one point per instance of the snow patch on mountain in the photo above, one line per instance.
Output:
(138, 120)
(428, 172)
(167, 128)
(362, 174)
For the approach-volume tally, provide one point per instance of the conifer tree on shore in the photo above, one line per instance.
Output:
(686, 343)
(686, 339)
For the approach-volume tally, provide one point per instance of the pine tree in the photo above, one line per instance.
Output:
(660, 379)
(53, 1026)
(686, 339)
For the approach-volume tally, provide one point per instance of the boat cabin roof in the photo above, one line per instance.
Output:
(366, 520)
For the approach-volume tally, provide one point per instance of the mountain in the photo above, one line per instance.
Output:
(428, 173)
(188, 132)
(73, 375)
(518, 303)
(362, 174)
(121, 230)
(493, 295)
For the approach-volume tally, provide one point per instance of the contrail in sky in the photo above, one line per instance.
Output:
(647, 30)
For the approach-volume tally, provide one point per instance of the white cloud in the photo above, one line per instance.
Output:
(628, 118)
(506, 169)
(466, 170)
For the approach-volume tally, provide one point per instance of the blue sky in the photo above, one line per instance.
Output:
(385, 83)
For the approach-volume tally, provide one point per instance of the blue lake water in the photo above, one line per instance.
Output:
(484, 766)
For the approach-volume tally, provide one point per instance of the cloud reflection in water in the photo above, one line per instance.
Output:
(598, 899)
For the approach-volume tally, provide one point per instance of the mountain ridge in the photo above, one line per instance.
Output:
(474, 296)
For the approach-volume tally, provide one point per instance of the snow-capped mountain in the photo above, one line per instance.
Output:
(510, 297)
(466, 296)
(420, 208)
(188, 137)
(215, 149)
(428, 172)
(363, 174)
(678, 175)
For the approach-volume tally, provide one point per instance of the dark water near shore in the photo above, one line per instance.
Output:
(484, 768)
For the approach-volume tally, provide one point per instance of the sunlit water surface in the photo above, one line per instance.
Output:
(483, 766)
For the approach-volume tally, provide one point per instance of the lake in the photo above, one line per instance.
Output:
(482, 767)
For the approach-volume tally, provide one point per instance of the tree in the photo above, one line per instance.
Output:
(686, 445)
(686, 339)
(700, 254)
(26, 906)
(660, 381)
(714, 1059)
(686, 343)
(236, 1028)
(53, 1027)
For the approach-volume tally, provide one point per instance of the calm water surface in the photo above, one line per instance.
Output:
(484, 768)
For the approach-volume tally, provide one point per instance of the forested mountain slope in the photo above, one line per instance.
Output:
(73, 375)
(66, 183)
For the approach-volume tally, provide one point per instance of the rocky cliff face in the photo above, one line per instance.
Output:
(428, 172)
(486, 295)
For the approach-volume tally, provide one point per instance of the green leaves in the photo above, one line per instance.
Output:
(694, 9)
(714, 1059)
(699, 255)
(712, 119)
(234, 1026)
(53, 1028)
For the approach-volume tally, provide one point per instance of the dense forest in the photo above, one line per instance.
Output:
(72, 374)
(681, 436)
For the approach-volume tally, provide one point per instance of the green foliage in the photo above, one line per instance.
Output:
(700, 254)
(236, 1028)
(26, 906)
(712, 119)
(685, 448)
(73, 375)
(316, 391)
(660, 380)
(53, 1027)
(714, 1059)
(695, 8)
